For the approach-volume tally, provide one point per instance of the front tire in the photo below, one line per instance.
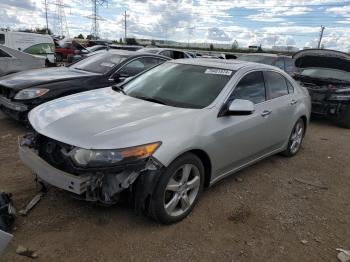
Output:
(295, 139)
(178, 190)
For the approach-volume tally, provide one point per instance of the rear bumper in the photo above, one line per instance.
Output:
(52, 175)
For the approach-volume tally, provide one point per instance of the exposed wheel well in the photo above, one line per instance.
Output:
(305, 122)
(203, 156)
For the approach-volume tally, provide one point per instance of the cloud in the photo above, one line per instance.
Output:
(269, 22)
(217, 34)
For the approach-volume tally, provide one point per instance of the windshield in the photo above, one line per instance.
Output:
(326, 73)
(99, 63)
(179, 85)
(267, 60)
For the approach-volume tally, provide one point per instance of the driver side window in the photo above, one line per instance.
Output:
(250, 87)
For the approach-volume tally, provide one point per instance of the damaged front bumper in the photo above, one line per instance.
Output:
(329, 108)
(104, 185)
(51, 175)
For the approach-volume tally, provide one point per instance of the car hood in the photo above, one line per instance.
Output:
(42, 76)
(106, 119)
(322, 58)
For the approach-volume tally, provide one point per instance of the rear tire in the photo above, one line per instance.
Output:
(295, 139)
(178, 190)
(344, 120)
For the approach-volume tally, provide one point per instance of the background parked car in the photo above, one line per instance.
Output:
(171, 53)
(13, 61)
(286, 63)
(167, 134)
(86, 52)
(23, 91)
(326, 74)
(67, 48)
(30, 43)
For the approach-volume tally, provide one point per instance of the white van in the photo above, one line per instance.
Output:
(34, 44)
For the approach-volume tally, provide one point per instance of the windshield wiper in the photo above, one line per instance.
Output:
(118, 89)
(150, 99)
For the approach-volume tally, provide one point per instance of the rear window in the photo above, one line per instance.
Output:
(99, 63)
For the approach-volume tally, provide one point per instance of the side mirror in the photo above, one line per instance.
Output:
(240, 107)
(119, 78)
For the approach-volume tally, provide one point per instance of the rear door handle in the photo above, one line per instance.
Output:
(266, 113)
(293, 102)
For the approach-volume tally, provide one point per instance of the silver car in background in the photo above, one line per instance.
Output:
(166, 134)
(13, 61)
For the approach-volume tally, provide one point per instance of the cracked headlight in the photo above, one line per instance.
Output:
(31, 93)
(100, 158)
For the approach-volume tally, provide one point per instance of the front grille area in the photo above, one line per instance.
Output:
(317, 96)
(6, 92)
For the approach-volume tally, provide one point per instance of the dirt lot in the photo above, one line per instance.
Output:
(265, 217)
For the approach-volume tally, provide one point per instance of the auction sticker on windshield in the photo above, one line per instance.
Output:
(213, 71)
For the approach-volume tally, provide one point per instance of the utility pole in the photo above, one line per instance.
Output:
(47, 22)
(321, 36)
(95, 34)
(125, 26)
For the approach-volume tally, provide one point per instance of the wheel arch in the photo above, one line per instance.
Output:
(306, 123)
(205, 159)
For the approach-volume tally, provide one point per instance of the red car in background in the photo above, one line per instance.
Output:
(64, 50)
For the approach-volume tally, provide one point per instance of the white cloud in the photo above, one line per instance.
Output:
(187, 20)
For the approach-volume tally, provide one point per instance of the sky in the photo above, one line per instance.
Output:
(249, 22)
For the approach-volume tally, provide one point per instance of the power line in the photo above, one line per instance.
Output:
(230, 31)
(253, 6)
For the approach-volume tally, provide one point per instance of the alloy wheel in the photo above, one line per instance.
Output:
(182, 190)
(297, 137)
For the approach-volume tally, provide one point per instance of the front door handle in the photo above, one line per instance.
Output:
(293, 102)
(266, 113)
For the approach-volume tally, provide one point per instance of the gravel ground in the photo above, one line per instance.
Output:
(260, 214)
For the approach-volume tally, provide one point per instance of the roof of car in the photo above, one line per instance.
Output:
(221, 63)
(163, 48)
(128, 53)
(265, 54)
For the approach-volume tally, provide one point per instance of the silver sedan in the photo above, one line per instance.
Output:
(168, 133)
